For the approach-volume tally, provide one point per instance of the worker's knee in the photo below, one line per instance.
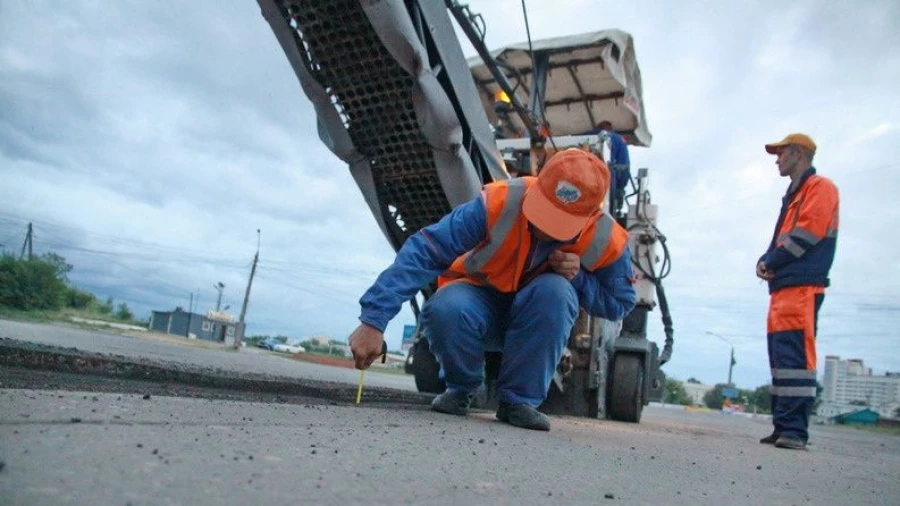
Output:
(452, 309)
(550, 292)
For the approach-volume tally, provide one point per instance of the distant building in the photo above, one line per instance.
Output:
(696, 391)
(849, 382)
(833, 409)
(213, 326)
(858, 417)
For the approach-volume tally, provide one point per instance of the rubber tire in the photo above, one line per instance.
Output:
(627, 388)
(426, 369)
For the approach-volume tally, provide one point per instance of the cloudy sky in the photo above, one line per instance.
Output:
(148, 141)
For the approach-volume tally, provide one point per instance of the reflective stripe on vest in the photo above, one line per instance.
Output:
(478, 259)
(599, 243)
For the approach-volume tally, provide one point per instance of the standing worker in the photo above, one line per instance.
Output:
(513, 267)
(619, 165)
(796, 266)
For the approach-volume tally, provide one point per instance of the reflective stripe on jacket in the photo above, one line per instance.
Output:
(499, 260)
(803, 245)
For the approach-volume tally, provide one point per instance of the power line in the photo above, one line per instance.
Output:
(188, 255)
(109, 238)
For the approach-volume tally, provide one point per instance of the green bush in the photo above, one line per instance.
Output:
(31, 284)
(124, 312)
(676, 394)
(78, 299)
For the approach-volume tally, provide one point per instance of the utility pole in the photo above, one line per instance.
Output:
(731, 366)
(28, 242)
(239, 335)
(187, 331)
(731, 360)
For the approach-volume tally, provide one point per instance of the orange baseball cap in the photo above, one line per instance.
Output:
(798, 139)
(568, 193)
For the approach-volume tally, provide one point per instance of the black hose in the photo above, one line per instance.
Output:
(666, 354)
(666, 268)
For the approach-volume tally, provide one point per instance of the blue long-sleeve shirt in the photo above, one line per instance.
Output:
(618, 150)
(607, 292)
(619, 161)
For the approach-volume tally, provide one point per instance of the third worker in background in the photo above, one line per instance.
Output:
(796, 267)
(619, 165)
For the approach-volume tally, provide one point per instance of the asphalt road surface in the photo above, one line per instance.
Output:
(104, 447)
(247, 360)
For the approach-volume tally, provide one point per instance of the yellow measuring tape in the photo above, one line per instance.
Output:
(362, 373)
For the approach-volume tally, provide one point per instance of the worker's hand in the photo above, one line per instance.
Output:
(762, 273)
(366, 343)
(565, 264)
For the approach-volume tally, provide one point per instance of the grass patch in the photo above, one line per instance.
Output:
(38, 316)
(94, 314)
(63, 315)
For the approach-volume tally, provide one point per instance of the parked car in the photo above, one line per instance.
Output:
(287, 348)
(268, 344)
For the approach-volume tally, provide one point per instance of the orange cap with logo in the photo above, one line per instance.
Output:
(798, 139)
(568, 193)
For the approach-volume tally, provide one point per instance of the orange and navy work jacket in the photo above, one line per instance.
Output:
(488, 242)
(499, 260)
(803, 245)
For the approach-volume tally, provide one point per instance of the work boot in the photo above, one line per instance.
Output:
(523, 415)
(770, 439)
(791, 443)
(452, 403)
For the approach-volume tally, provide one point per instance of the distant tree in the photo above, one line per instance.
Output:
(124, 312)
(30, 284)
(762, 398)
(61, 268)
(694, 380)
(107, 307)
(676, 394)
(715, 398)
(254, 340)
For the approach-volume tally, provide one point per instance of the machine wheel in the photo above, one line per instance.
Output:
(426, 369)
(627, 388)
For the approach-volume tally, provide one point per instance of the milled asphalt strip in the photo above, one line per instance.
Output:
(14, 353)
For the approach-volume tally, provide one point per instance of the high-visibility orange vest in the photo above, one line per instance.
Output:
(499, 260)
(818, 198)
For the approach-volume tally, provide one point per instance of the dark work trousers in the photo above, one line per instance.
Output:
(462, 321)
(792, 326)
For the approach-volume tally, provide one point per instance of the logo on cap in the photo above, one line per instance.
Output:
(567, 193)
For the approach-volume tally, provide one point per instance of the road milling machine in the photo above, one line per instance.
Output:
(422, 129)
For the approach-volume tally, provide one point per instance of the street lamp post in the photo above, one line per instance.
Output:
(219, 286)
(731, 361)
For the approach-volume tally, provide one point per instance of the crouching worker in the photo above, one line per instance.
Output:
(513, 267)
